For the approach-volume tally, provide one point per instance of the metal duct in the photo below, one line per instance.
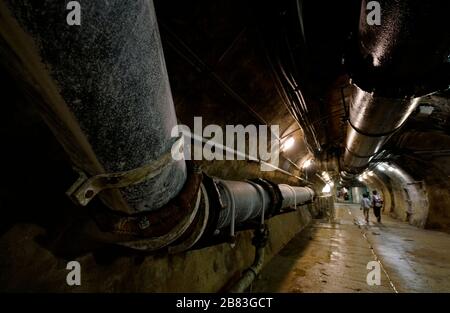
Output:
(243, 201)
(103, 89)
(293, 196)
(372, 120)
(346, 178)
(392, 65)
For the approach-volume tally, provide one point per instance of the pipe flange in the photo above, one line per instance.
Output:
(156, 243)
(215, 206)
(155, 229)
(276, 198)
(196, 229)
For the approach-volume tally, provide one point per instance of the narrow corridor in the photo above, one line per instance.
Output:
(173, 146)
(331, 256)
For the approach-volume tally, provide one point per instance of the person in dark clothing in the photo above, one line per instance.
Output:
(377, 204)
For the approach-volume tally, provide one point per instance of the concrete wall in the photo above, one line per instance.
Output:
(438, 190)
(28, 266)
(428, 190)
(401, 194)
(42, 231)
(431, 167)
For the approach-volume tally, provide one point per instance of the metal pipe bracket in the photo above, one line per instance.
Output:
(86, 188)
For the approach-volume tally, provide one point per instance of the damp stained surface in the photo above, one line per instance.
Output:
(332, 255)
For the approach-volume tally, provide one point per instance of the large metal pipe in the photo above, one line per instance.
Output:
(102, 87)
(372, 120)
(244, 201)
(293, 196)
(392, 66)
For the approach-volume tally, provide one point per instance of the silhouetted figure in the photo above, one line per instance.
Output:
(377, 204)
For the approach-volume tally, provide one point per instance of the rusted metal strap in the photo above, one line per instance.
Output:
(85, 189)
(197, 227)
(154, 230)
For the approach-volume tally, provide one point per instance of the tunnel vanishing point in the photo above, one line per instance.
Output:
(305, 107)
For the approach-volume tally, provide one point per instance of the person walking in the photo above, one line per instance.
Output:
(365, 206)
(377, 204)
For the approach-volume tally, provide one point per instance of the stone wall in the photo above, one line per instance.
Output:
(28, 266)
(41, 230)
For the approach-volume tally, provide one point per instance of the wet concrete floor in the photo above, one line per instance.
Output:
(332, 256)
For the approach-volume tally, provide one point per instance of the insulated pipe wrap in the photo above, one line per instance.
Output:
(392, 65)
(406, 54)
(372, 120)
(293, 196)
(111, 77)
(375, 115)
(246, 198)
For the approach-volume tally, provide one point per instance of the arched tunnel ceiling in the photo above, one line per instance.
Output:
(230, 62)
(203, 42)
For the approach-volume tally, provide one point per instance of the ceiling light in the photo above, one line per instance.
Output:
(426, 109)
(326, 188)
(307, 163)
(289, 143)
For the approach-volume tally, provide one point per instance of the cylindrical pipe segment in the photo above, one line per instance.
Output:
(105, 89)
(372, 120)
(293, 195)
(248, 200)
(406, 54)
(392, 65)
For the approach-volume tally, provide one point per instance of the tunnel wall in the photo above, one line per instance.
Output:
(410, 195)
(38, 243)
(401, 194)
(41, 233)
(44, 231)
(206, 270)
(434, 173)
(401, 202)
(438, 190)
(428, 192)
(430, 169)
